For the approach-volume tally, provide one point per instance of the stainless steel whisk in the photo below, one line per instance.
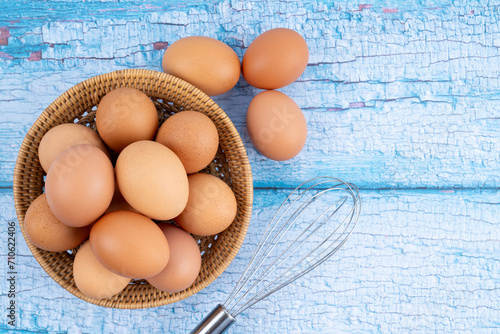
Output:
(291, 246)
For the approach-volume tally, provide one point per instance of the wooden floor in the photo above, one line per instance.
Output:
(401, 99)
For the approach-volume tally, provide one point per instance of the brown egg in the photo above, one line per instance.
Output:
(129, 244)
(92, 278)
(126, 115)
(276, 125)
(211, 207)
(184, 264)
(275, 59)
(205, 62)
(152, 180)
(192, 136)
(45, 231)
(80, 185)
(63, 136)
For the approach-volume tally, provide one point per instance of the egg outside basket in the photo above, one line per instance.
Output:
(170, 95)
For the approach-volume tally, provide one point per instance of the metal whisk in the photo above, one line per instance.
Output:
(291, 246)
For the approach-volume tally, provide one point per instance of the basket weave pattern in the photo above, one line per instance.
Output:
(170, 95)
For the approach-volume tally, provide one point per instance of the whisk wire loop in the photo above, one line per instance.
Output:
(292, 245)
(252, 280)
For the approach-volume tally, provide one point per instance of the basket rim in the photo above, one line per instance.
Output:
(244, 178)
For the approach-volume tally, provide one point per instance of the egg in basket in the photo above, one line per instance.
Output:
(125, 205)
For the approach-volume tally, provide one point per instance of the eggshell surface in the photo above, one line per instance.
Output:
(126, 115)
(63, 136)
(276, 125)
(184, 264)
(274, 59)
(192, 136)
(129, 244)
(204, 62)
(80, 185)
(211, 207)
(92, 278)
(152, 180)
(45, 231)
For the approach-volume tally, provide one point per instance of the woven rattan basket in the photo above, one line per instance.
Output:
(170, 95)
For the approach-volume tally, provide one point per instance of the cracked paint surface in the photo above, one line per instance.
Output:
(412, 93)
(420, 261)
(401, 98)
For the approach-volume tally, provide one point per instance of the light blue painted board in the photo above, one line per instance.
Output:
(396, 95)
(418, 261)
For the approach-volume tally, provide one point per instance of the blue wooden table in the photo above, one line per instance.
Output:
(401, 98)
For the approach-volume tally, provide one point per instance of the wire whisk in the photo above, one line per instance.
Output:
(291, 246)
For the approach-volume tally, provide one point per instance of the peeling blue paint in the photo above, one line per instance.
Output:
(401, 98)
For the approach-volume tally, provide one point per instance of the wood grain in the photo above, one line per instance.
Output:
(420, 261)
(401, 98)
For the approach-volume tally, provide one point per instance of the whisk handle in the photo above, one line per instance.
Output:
(216, 322)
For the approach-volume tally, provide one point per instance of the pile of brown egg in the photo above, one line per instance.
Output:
(118, 206)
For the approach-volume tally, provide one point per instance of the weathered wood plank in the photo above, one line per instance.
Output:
(396, 95)
(419, 261)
